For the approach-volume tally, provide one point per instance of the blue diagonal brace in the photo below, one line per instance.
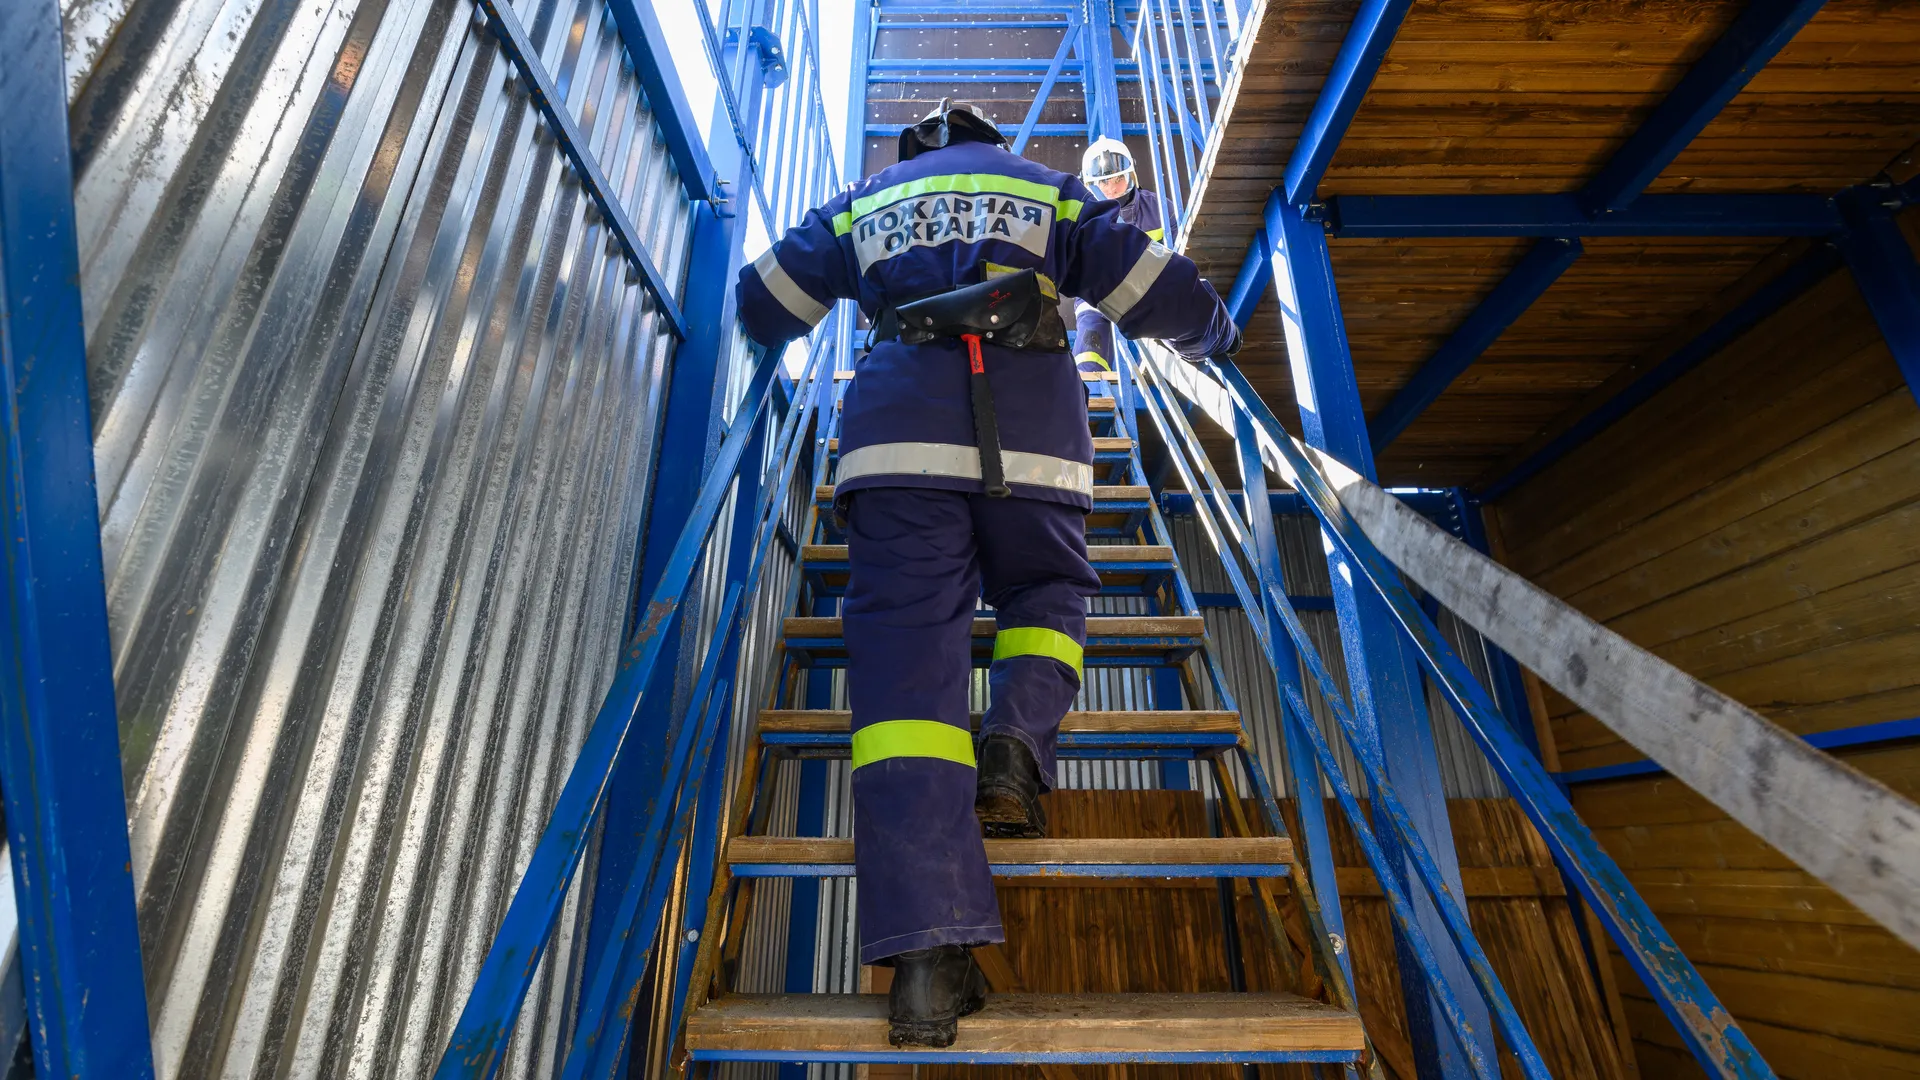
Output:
(1361, 52)
(646, 43)
(59, 729)
(520, 52)
(1768, 299)
(1760, 32)
(1510, 299)
(1046, 86)
(1753, 39)
(1884, 268)
(1256, 273)
(1385, 216)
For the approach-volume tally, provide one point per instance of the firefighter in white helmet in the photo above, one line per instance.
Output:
(1107, 167)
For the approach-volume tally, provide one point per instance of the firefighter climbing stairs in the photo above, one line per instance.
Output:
(1134, 557)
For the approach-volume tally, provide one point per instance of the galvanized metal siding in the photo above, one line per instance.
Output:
(373, 406)
(1464, 769)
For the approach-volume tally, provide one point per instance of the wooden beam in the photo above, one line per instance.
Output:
(1849, 830)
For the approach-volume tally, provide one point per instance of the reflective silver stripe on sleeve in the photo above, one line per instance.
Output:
(951, 459)
(784, 289)
(1146, 271)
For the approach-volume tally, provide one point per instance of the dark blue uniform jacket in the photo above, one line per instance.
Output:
(1093, 337)
(954, 217)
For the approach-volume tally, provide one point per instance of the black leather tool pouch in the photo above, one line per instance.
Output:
(1005, 310)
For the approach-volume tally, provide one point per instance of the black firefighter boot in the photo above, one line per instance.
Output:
(932, 989)
(1007, 798)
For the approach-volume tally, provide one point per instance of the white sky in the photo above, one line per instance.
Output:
(684, 41)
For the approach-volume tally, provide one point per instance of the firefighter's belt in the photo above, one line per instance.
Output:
(1009, 311)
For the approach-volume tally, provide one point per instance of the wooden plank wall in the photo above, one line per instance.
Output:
(1144, 935)
(1758, 525)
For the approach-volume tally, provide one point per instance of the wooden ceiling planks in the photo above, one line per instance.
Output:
(1534, 96)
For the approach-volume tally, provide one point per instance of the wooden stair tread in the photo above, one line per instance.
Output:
(1085, 376)
(1101, 493)
(1109, 626)
(819, 553)
(1102, 444)
(1183, 722)
(1144, 852)
(1132, 1024)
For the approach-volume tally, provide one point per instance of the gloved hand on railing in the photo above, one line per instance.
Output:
(1232, 347)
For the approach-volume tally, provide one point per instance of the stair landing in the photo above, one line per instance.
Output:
(1169, 1028)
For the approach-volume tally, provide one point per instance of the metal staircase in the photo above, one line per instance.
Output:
(1132, 550)
(667, 977)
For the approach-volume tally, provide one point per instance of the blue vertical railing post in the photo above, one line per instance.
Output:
(854, 159)
(705, 843)
(1163, 683)
(1305, 774)
(803, 913)
(690, 432)
(59, 730)
(1097, 70)
(1385, 686)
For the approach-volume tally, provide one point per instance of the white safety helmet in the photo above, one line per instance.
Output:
(1105, 159)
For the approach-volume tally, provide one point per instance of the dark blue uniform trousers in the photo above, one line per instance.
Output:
(920, 558)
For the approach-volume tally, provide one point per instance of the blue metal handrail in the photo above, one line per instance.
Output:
(1178, 434)
(1703, 1023)
(480, 1037)
(1184, 50)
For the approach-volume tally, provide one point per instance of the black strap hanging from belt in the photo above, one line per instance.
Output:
(986, 430)
(1010, 311)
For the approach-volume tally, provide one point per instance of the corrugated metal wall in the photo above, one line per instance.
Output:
(1463, 768)
(373, 408)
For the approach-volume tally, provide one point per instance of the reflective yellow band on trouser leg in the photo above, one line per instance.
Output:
(914, 739)
(1038, 641)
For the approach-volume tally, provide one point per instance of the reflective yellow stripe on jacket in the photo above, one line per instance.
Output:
(969, 184)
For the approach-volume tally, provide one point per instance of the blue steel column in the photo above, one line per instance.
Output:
(59, 731)
(1097, 71)
(1385, 687)
(1884, 268)
(689, 432)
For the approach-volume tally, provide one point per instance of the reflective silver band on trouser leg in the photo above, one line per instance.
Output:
(1146, 270)
(963, 462)
(795, 299)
